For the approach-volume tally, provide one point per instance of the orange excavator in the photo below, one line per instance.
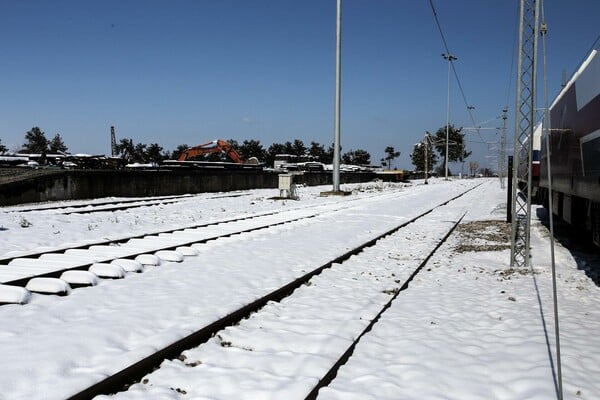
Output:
(216, 146)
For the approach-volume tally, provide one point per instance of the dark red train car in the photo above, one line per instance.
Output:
(574, 137)
(523, 166)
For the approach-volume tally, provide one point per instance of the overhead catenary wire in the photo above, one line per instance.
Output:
(446, 48)
(594, 45)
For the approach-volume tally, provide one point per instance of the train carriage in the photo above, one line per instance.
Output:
(574, 138)
(535, 162)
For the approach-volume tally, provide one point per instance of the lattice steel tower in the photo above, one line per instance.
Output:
(524, 127)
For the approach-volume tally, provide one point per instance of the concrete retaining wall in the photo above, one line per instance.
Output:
(86, 184)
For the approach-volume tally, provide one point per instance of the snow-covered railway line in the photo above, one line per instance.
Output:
(120, 206)
(293, 347)
(112, 259)
(8, 258)
(147, 318)
(116, 239)
(375, 301)
(64, 268)
(74, 205)
(88, 207)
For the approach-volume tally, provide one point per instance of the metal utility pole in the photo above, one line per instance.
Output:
(502, 149)
(509, 191)
(524, 126)
(428, 141)
(113, 142)
(450, 58)
(426, 156)
(336, 129)
(546, 134)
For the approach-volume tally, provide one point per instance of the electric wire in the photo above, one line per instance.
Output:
(546, 122)
(595, 44)
(592, 47)
(462, 92)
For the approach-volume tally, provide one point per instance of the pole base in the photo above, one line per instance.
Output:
(335, 193)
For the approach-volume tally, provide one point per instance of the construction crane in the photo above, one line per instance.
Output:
(216, 146)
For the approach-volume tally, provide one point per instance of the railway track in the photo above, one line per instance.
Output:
(169, 245)
(273, 283)
(111, 239)
(72, 206)
(113, 205)
(331, 335)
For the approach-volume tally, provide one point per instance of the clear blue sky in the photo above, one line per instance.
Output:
(175, 72)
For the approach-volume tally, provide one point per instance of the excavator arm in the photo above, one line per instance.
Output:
(216, 146)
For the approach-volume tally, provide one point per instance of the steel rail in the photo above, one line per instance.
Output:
(133, 373)
(332, 373)
(4, 262)
(30, 254)
(56, 273)
(104, 203)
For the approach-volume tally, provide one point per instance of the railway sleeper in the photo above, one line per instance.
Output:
(49, 286)
(10, 294)
(78, 279)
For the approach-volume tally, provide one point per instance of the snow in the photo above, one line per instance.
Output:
(83, 278)
(465, 328)
(48, 285)
(14, 294)
(110, 271)
(187, 251)
(148, 259)
(169, 255)
(129, 265)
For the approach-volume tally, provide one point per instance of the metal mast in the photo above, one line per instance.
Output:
(501, 166)
(524, 126)
(426, 155)
(449, 58)
(338, 95)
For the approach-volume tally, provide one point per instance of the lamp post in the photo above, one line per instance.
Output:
(336, 122)
(503, 147)
(450, 58)
(426, 155)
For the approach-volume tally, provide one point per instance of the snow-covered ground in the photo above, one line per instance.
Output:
(471, 328)
(467, 327)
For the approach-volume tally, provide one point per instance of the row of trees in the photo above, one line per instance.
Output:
(253, 148)
(36, 142)
(248, 148)
(140, 152)
(315, 151)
